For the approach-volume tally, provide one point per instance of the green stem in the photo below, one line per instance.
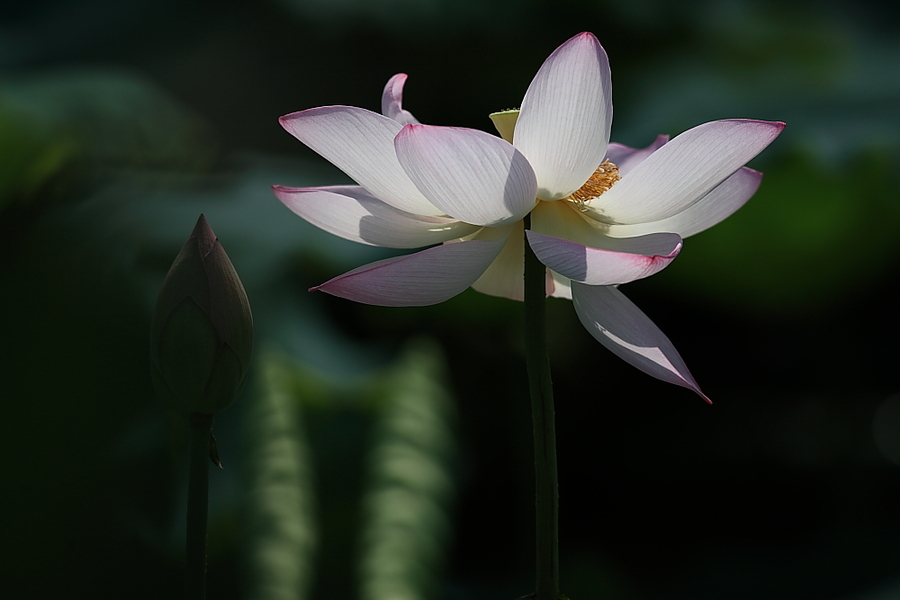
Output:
(198, 505)
(546, 487)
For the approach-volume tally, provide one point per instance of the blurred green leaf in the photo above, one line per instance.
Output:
(410, 481)
(29, 159)
(280, 526)
(97, 121)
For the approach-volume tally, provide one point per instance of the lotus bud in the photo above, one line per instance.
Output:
(202, 332)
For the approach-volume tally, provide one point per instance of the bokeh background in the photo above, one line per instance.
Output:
(384, 454)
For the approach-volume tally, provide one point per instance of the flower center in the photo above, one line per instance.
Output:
(602, 179)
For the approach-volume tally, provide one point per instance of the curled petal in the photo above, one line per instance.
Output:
(350, 212)
(420, 279)
(684, 170)
(471, 175)
(392, 101)
(628, 333)
(361, 144)
(623, 260)
(713, 208)
(627, 158)
(563, 126)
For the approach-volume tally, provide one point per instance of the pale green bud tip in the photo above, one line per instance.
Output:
(505, 122)
(202, 333)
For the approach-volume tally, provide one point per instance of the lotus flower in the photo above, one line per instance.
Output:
(601, 214)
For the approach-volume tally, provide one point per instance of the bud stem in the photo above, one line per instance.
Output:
(198, 505)
(546, 486)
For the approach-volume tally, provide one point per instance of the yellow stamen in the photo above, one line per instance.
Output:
(602, 179)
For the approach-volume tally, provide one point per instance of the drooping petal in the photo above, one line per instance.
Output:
(629, 334)
(713, 208)
(563, 126)
(420, 279)
(627, 158)
(350, 212)
(626, 259)
(684, 170)
(392, 100)
(470, 175)
(361, 144)
(505, 276)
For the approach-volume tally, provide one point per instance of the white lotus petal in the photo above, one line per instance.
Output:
(350, 212)
(713, 208)
(627, 259)
(627, 332)
(392, 100)
(684, 170)
(420, 279)
(470, 175)
(563, 126)
(627, 158)
(361, 144)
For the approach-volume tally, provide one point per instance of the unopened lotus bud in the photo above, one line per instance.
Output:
(202, 333)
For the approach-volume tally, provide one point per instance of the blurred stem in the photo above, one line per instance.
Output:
(546, 487)
(198, 505)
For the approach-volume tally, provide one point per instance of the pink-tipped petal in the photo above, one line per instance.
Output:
(628, 333)
(627, 158)
(392, 101)
(623, 260)
(713, 208)
(563, 126)
(578, 248)
(361, 144)
(420, 279)
(683, 171)
(470, 175)
(350, 212)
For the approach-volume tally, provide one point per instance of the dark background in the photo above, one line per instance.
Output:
(121, 122)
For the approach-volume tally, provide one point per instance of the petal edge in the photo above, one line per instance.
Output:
(615, 321)
(423, 278)
(633, 258)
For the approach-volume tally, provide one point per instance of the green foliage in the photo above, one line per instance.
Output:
(300, 496)
(29, 158)
(406, 525)
(280, 532)
(70, 126)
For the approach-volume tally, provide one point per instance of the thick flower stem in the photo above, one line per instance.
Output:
(198, 505)
(546, 487)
